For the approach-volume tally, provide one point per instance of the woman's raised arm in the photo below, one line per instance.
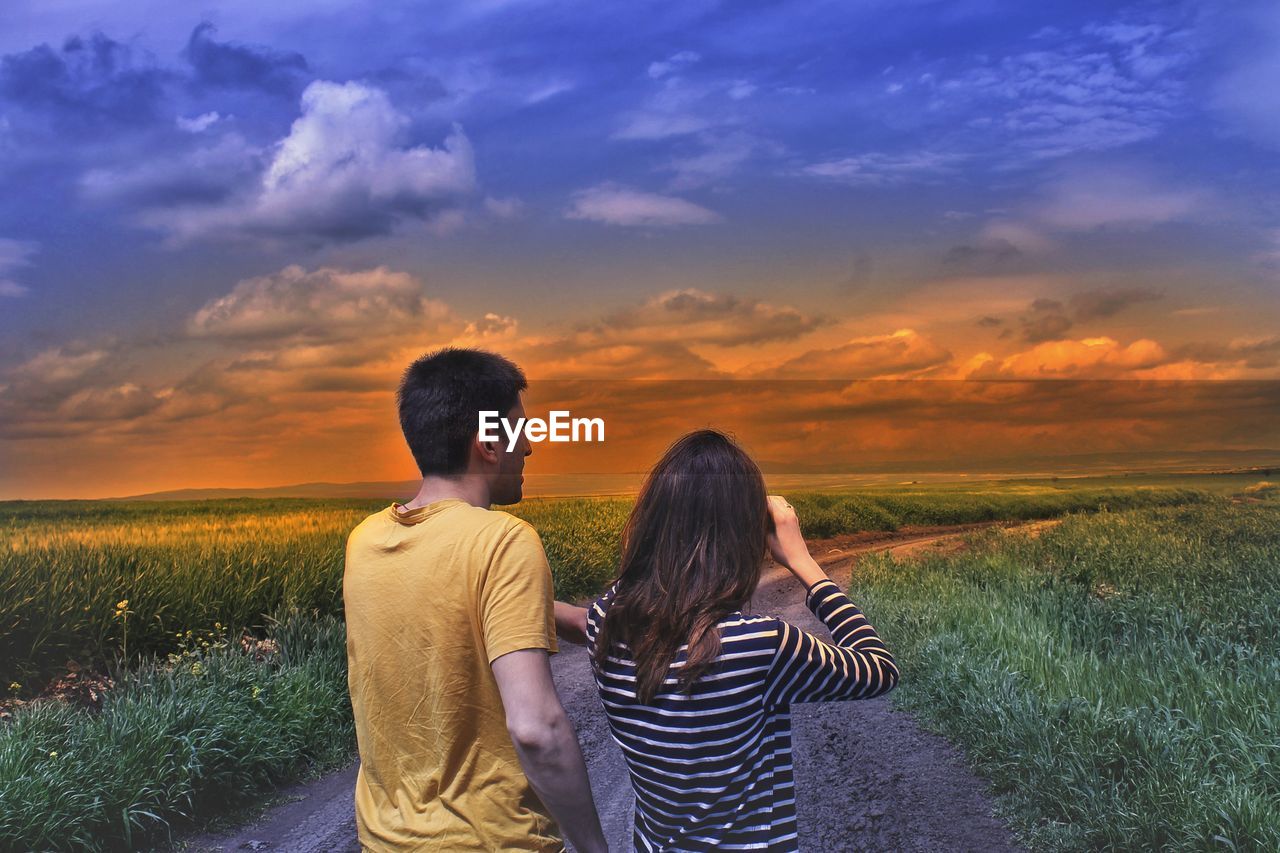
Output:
(809, 669)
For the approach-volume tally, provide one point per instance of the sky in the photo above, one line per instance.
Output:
(985, 230)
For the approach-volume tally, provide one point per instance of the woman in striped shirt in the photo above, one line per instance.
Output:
(698, 693)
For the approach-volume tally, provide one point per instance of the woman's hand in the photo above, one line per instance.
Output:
(786, 544)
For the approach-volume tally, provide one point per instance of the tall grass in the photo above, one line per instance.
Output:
(580, 536)
(1102, 673)
(1117, 678)
(174, 740)
(66, 565)
(179, 567)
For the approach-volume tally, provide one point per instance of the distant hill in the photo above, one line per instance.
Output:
(389, 490)
(792, 475)
(536, 485)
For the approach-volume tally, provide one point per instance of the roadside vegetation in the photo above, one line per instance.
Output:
(1116, 678)
(177, 739)
(204, 649)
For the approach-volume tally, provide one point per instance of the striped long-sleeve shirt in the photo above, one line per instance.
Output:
(712, 768)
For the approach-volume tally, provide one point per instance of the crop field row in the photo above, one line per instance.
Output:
(89, 581)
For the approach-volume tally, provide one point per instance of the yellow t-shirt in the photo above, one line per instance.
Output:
(433, 595)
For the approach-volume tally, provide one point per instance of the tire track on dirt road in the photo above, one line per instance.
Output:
(868, 777)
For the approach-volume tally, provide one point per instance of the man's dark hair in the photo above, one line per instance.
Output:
(440, 398)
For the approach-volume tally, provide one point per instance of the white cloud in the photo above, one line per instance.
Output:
(621, 206)
(657, 338)
(348, 136)
(720, 157)
(293, 332)
(1022, 237)
(677, 108)
(1147, 48)
(661, 123)
(1083, 200)
(14, 254)
(547, 91)
(122, 402)
(675, 63)
(59, 364)
(504, 208)
(879, 169)
(902, 354)
(694, 317)
(1097, 88)
(342, 173)
(198, 124)
(1099, 357)
(491, 326)
(1081, 95)
(325, 303)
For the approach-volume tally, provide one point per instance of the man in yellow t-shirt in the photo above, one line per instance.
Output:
(464, 744)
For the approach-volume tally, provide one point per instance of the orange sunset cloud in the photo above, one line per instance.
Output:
(289, 377)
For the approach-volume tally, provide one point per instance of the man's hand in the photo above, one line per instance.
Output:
(547, 746)
(571, 623)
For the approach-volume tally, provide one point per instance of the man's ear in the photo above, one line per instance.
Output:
(488, 450)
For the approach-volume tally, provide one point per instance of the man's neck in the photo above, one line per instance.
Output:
(471, 488)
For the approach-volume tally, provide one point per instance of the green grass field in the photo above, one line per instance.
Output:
(65, 566)
(1117, 677)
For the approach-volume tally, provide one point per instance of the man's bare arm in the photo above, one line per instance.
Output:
(571, 623)
(547, 746)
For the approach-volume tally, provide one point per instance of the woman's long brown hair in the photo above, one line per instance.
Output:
(692, 551)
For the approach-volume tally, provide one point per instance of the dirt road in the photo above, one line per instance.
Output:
(868, 777)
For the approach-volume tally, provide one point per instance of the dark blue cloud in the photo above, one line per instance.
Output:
(223, 65)
(407, 77)
(89, 85)
(205, 175)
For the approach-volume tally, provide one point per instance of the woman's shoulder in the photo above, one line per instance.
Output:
(606, 598)
(597, 608)
(746, 628)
